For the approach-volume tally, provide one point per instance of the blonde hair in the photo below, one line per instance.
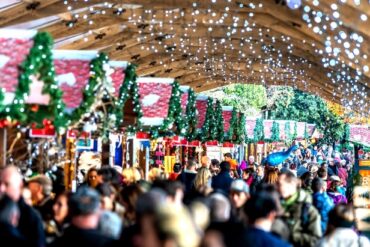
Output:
(271, 175)
(131, 175)
(202, 178)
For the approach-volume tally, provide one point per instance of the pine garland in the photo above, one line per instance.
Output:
(2, 97)
(233, 126)
(208, 128)
(305, 133)
(241, 133)
(39, 61)
(191, 118)
(129, 89)
(295, 132)
(259, 132)
(219, 121)
(275, 132)
(97, 74)
(288, 135)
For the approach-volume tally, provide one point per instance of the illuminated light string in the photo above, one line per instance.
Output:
(201, 52)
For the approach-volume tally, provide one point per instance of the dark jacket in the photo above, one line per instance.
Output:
(45, 208)
(187, 178)
(11, 237)
(323, 203)
(74, 236)
(259, 238)
(222, 182)
(302, 219)
(30, 225)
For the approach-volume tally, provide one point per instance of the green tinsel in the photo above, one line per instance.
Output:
(295, 132)
(275, 132)
(39, 62)
(129, 89)
(89, 97)
(233, 126)
(241, 133)
(219, 121)
(209, 125)
(259, 132)
(191, 118)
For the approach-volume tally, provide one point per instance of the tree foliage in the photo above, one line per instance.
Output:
(275, 132)
(246, 98)
(311, 109)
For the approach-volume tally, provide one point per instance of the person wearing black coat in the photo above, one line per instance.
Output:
(223, 180)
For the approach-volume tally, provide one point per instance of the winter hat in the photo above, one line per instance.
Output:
(240, 186)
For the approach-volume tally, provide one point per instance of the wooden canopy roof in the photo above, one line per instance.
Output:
(210, 43)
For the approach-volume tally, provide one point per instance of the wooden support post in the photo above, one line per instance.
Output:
(3, 148)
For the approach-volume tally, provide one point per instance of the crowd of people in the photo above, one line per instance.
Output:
(301, 202)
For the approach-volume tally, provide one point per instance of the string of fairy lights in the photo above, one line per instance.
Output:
(224, 40)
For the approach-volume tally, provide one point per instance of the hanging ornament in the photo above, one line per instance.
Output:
(294, 4)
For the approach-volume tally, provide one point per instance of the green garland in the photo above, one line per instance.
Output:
(209, 132)
(259, 132)
(89, 94)
(191, 117)
(288, 135)
(241, 133)
(219, 121)
(128, 89)
(275, 132)
(39, 61)
(2, 97)
(295, 132)
(233, 126)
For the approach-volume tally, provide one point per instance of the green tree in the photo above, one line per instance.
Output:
(311, 109)
(219, 122)
(191, 118)
(209, 126)
(233, 125)
(295, 132)
(242, 134)
(275, 132)
(288, 135)
(259, 132)
(246, 98)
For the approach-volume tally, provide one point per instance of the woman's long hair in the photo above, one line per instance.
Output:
(271, 175)
(202, 178)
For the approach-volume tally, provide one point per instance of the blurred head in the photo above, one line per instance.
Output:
(84, 208)
(225, 166)
(322, 173)
(109, 175)
(191, 165)
(110, 224)
(251, 159)
(205, 161)
(9, 211)
(107, 196)
(318, 185)
(341, 216)
(41, 187)
(11, 182)
(60, 207)
(166, 228)
(129, 197)
(177, 168)
(239, 193)
(202, 178)
(260, 207)
(220, 207)
(228, 157)
(271, 175)
(287, 184)
(92, 177)
(260, 171)
(130, 175)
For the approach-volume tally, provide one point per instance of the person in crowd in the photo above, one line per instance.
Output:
(11, 184)
(302, 169)
(341, 229)
(299, 214)
(84, 209)
(91, 178)
(223, 180)
(248, 175)
(261, 211)
(342, 173)
(156, 173)
(130, 176)
(205, 161)
(187, 177)
(220, 207)
(239, 195)
(233, 164)
(203, 181)
(322, 202)
(332, 167)
(110, 224)
(41, 188)
(271, 175)
(334, 191)
(174, 191)
(215, 167)
(109, 202)
(166, 228)
(110, 175)
(129, 197)
(252, 162)
(306, 182)
(9, 218)
(60, 220)
(176, 172)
